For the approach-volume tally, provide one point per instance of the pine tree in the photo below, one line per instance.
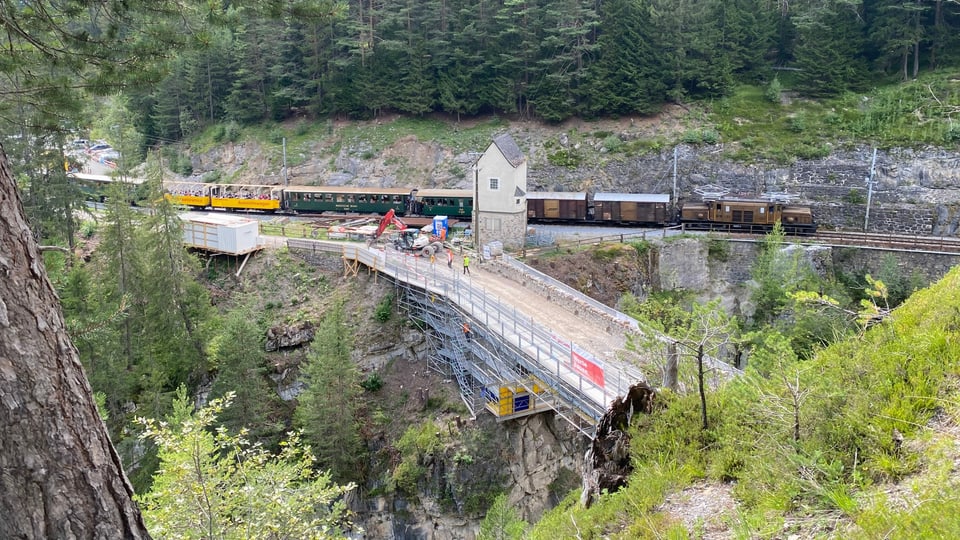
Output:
(829, 49)
(627, 77)
(897, 28)
(240, 361)
(328, 407)
(565, 52)
(175, 305)
(502, 522)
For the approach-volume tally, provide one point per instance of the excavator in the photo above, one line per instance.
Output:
(408, 239)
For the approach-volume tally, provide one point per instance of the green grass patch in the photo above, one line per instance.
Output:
(381, 135)
(718, 249)
(908, 114)
(292, 230)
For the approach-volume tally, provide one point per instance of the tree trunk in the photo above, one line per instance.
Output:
(703, 390)
(671, 367)
(60, 476)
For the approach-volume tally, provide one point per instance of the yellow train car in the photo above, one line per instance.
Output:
(193, 194)
(246, 197)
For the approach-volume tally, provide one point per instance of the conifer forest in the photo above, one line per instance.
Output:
(543, 59)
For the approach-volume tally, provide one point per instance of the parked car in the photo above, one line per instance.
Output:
(98, 148)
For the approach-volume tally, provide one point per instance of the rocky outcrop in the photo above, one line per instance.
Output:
(535, 460)
(287, 336)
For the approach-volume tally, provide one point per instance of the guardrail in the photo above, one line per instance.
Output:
(573, 370)
(292, 230)
(620, 238)
(900, 242)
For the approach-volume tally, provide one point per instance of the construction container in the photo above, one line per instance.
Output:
(220, 233)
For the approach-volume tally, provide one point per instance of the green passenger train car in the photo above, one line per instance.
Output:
(315, 199)
(444, 202)
(96, 187)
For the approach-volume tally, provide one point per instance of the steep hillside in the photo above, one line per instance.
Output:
(858, 442)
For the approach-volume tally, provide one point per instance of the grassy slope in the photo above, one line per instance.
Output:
(847, 476)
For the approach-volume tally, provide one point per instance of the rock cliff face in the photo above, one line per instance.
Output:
(537, 462)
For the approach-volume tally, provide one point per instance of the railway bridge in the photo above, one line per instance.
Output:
(527, 351)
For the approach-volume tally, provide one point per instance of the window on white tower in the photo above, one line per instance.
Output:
(494, 184)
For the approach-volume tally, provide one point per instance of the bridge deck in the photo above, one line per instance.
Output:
(562, 348)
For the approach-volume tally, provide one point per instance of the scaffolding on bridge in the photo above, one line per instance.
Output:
(491, 374)
(512, 366)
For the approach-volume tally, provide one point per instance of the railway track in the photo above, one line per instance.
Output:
(899, 242)
(937, 244)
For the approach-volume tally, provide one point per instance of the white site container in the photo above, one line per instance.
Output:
(221, 233)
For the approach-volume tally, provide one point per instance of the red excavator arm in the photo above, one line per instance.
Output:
(390, 218)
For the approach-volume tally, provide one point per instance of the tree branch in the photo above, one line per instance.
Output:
(55, 248)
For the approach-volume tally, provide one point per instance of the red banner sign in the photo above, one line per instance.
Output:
(586, 366)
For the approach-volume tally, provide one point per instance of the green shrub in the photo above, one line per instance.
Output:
(773, 90)
(213, 177)
(855, 196)
(570, 159)
(797, 123)
(691, 136)
(417, 442)
(812, 151)
(605, 253)
(612, 143)
(710, 136)
(406, 476)
(952, 135)
(718, 249)
(276, 136)
(88, 229)
(218, 132)
(642, 246)
(373, 382)
(231, 132)
(384, 309)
